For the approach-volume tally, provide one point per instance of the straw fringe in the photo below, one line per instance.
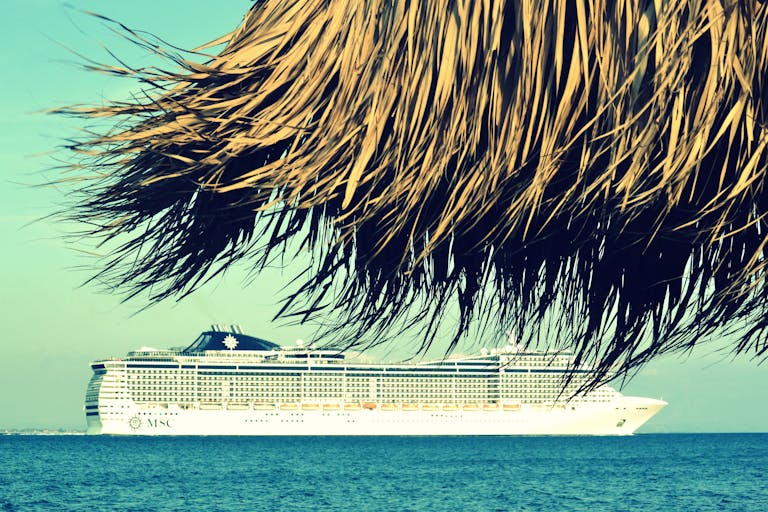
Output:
(590, 168)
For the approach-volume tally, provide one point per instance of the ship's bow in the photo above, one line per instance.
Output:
(636, 411)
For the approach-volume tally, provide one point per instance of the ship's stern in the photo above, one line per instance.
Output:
(92, 417)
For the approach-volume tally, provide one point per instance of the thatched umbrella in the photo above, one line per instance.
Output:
(591, 169)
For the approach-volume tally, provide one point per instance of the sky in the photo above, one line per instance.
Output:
(54, 325)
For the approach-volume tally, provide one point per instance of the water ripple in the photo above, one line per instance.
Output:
(647, 473)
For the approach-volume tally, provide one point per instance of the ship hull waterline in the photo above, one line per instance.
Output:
(614, 419)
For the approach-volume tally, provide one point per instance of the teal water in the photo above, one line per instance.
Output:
(640, 473)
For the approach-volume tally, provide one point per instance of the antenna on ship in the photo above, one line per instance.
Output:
(512, 344)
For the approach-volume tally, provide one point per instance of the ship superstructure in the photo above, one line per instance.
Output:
(229, 383)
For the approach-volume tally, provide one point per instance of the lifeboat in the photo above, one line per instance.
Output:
(511, 407)
(288, 407)
(491, 407)
(237, 406)
(310, 407)
(369, 405)
(264, 407)
(429, 407)
(410, 407)
(450, 407)
(331, 407)
(210, 406)
(388, 407)
(471, 407)
(352, 407)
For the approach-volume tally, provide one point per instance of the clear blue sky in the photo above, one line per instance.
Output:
(52, 327)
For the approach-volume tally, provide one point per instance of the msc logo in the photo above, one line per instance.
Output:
(157, 422)
(135, 422)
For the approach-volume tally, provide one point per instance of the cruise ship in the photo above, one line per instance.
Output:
(229, 383)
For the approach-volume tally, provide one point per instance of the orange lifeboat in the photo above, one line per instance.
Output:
(511, 407)
(450, 407)
(288, 407)
(388, 407)
(410, 407)
(369, 405)
(428, 407)
(310, 407)
(331, 407)
(352, 407)
(491, 407)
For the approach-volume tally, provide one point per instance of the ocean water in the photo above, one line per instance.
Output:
(640, 473)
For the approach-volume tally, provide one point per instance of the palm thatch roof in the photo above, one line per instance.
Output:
(590, 168)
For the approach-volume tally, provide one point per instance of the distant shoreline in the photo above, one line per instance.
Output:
(50, 432)
(41, 432)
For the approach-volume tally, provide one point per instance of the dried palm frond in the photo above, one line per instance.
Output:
(595, 168)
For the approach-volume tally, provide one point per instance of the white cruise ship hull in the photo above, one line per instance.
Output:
(621, 417)
(227, 383)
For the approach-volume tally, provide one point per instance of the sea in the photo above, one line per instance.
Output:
(646, 472)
